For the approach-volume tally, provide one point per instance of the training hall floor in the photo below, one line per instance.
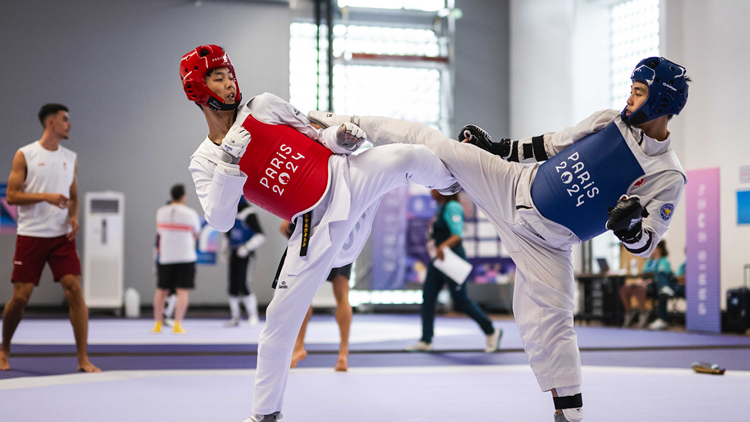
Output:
(207, 375)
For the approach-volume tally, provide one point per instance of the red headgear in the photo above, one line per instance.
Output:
(193, 68)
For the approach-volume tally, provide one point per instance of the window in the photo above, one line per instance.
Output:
(635, 36)
(634, 28)
(480, 239)
(308, 90)
(429, 5)
(397, 72)
(367, 79)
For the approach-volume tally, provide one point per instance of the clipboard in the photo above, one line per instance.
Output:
(455, 267)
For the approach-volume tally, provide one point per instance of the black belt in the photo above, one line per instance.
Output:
(306, 228)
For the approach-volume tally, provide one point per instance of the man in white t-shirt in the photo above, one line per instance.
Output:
(178, 226)
(43, 183)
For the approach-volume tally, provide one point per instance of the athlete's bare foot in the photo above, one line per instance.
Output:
(87, 367)
(297, 356)
(4, 365)
(342, 365)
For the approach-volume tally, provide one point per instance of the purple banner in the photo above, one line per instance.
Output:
(389, 242)
(8, 213)
(703, 253)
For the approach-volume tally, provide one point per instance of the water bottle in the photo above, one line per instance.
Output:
(132, 303)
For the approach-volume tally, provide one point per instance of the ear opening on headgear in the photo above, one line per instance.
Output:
(663, 104)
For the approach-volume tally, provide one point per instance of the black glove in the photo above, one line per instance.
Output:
(625, 219)
(479, 137)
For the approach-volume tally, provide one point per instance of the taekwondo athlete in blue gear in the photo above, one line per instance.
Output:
(244, 238)
(613, 171)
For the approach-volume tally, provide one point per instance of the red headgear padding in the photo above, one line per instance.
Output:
(193, 68)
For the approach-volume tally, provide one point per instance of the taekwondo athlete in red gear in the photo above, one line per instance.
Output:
(269, 151)
(613, 171)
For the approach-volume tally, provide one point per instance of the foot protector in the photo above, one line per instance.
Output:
(568, 402)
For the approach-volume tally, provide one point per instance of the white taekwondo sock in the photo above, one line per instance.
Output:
(251, 305)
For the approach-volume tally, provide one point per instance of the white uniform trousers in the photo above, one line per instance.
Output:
(363, 178)
(541, 249)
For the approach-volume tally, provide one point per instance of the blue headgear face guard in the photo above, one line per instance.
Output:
(667, 90)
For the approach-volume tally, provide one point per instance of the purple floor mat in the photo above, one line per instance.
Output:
(469, 337)
(35, 366)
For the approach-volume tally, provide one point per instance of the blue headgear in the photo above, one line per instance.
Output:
(667, 89)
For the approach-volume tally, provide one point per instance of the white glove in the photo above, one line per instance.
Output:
(349, 136)
(327, 119)
(243, 252)
(236, 141)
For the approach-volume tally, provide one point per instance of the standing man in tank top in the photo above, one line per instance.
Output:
(43, 183)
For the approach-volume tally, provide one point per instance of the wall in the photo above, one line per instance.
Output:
(540, 66)
(115, 65)
(710, 40)
(482, 67)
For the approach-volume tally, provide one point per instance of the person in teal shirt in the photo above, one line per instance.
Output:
(447, 231)
(657, 272)
(662, 286)
(680, 274)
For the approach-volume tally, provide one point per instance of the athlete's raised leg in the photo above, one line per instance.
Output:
(489, 180)
(377, 171)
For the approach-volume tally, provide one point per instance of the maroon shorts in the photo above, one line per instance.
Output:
(33, 252)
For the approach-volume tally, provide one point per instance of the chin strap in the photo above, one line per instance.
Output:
(635, 118)
(215, 104)
(568, 402)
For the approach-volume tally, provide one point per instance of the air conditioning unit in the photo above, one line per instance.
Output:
(104, 249)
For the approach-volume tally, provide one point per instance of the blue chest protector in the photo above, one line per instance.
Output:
(239, 234)
(577, 186)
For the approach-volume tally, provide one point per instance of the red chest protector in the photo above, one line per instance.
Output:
(287, 172)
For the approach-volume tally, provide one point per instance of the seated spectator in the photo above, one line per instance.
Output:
(663, 284)
(674, 287)
(656, 273)
(639, 292)
(680, 277)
